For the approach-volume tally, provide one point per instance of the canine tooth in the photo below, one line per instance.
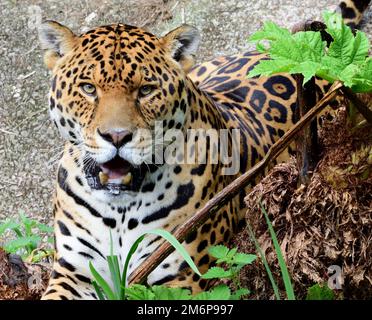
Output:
(127, 178)
(103, 177)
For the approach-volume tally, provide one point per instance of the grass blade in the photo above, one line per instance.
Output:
(102, 283)
(268, 271)
(98, 291)
(113, 264)
(178, 246)
(132, 250)
(283, 267)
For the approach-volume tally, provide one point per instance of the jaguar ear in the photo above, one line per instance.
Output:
(182, 43)
(57, 40)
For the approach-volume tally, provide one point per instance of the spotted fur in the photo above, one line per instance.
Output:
(119, 60)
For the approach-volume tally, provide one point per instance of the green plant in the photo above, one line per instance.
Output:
(283, 267)
(305, 53)
(29, 241)
(233, 260)
(103, 289)
(320, 292)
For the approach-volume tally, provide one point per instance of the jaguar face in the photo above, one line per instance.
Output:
(109, 86)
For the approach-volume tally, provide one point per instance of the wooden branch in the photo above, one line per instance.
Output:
(140, 274)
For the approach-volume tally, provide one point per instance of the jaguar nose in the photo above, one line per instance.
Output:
(117, 137)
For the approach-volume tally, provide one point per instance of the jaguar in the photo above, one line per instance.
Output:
(111, 84)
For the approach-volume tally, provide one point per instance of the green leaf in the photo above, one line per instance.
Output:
(101, 283)
(305, 53)
(239, 293)
(50, 240)
(139, 292)
(310, 44)
(178, 246)
(20, 243)
(168, 293)
(172, 240)
(347, 75)
(28, 224)
(345, 46)
(132, 250)
(307, 68)
(269, 67)
(342, 46)
(217, 273)
(44, 228)
(362, 81)
(270, 31)
(244, 259)
(98, 290)
(361, 47)
(219, 251)
(221, 292)
(8, 225)
(320, 292)
(113, 263)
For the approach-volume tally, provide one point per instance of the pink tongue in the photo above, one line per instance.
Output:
(115, 173)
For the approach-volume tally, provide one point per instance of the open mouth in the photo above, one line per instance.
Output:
(115, 176)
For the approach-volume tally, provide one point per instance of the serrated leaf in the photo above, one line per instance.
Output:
(217, 273)
(270, 31)
(320, 292)
(342, 46)
(169, 293)
(139, 292)
(221, 292)
(345, 47)
(286, 50)
(311, 45)
(239, 293)
(362, 81)
(44, 228)
(269, 67)
(8, 225)
(361, 47)
(244, 259)
(218, 252)
(231, 254)
(14, 245)
(305, 53)
(307, 68)
(347, 75)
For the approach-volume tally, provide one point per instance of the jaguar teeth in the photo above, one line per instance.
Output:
(127, 178)
(103, 178)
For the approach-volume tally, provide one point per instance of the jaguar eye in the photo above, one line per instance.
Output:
(145, 90)
(88, 89)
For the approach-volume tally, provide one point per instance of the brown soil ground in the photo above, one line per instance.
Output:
(19, 280)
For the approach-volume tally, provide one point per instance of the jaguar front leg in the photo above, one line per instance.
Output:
(66, 284)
